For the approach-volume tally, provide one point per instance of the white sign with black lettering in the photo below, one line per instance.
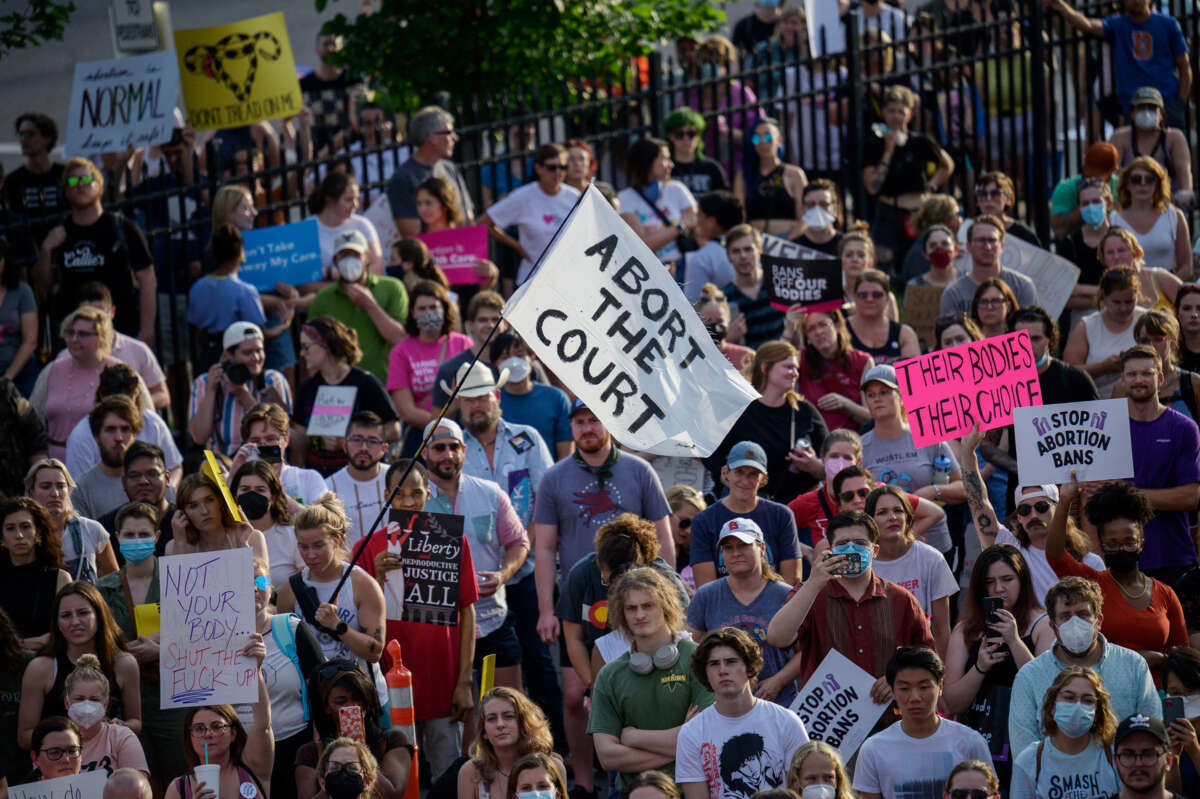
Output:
(87, 785)
(1090, 439)
(604, 315)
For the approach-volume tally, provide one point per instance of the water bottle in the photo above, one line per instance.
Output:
(941, 470)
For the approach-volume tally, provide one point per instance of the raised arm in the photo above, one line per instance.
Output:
(980, 507)
(1088, 25)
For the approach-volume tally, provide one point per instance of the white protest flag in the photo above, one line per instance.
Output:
(605, 316)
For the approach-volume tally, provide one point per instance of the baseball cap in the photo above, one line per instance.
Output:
(1047, 490)
(1100, 160)
(1140, 722)
(883, 373)
(238, 332)
(446, 428)
(350, 240)
(1146, 95)
(577, 405)
(745, 530)
(747, 453)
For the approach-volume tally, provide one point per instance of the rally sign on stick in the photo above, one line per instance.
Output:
(836, 705)
(425, 589)
(948, 392)
(603, 314)
(1090, 439)
(207, 604)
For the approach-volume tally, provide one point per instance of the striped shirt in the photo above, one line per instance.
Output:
(227, 427)
(763, 323)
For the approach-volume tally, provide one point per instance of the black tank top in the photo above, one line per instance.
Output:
(890, 351)
(27, 595)
(53, 704)
(770, 198)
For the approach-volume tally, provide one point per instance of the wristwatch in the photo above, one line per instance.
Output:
(341, 629)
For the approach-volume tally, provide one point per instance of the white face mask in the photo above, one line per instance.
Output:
(350, 268)
(1191, 706)
(518, 368)
(818, 218)
(818, 792)
(86, 713)
(1146, 119)
(1076, 635)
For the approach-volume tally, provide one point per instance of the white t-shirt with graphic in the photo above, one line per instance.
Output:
(737, 757)
(537, 216)
(899, 766)
(923, 571)
(1081, 776)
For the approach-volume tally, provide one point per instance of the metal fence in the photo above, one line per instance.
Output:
(1010, 88)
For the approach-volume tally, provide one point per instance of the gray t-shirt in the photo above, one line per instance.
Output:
(714, 606)
(958, 295)
(897, 462)
(573, 499)
(402, 188)
(16, 302)
(96, 493)
(709, 264)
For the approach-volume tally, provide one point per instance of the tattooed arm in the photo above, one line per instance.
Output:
(367, 641)
(982, 512)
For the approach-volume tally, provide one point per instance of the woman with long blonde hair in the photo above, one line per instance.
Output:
(1096, 343)
(787, 426)
(1144, 203)
(510, 727)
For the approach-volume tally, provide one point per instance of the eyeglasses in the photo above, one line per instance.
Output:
(989, 194)
(56, 753)
(759, 138)
(216, 728)
(684, 134)
(81, 180)
(1024, 509)
(1142, 179)
(1124, 546)
(262, 582)
(870, 295)
(846, 496)
(555, 167)
(354, 768)
(373, 441)
(969, 793)
(1145, 757)
(73, 333)
(992, 302)
(149, 474)
(447, 132)
(332, 668)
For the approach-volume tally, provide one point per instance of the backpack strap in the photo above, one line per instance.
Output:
(1037, 775)
(285, 639)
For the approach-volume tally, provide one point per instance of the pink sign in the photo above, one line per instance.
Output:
(947, 392)
(456, 251)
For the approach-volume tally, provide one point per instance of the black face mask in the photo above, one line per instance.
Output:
(254, 504)
(343, 784)
(1122, 561)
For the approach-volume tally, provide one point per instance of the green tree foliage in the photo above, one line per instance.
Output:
(413, 48)
(40, 21)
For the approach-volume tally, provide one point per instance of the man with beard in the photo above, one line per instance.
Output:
(1166, 466)
(361, 484)
(91, 244)
(115, 423)
(514, 457)
(596, 484)
(499, 544)
(144, 479)
(1142, 755)
(752, 739)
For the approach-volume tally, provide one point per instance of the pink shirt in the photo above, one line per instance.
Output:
(67, 394)
(413, 364)
(115, 747)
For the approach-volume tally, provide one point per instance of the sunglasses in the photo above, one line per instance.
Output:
(332, 668)
(1041, 506)
(759, 138)
(262, 582)
(1136, 179)
(847, 496)
(685, 524)
(684, 134)
(555, 167)
(969, 793)
(870, 295)
(989, 194)
(81, 180)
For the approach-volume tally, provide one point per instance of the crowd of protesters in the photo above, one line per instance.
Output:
(655, 615)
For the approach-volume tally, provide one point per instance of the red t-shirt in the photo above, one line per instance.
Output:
(1158, 628)
(811, 516)
(430, 651)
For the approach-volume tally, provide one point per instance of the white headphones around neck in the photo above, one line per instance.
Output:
(642, 663)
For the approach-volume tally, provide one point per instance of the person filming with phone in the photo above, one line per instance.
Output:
(233, 386)
(843, 605)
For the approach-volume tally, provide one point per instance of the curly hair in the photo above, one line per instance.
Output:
(624, 541)
(335, 336)
(1161, 201)
(648, 579)
(739, 641)
(1074, 589)
(47, 550)
(1104, 726)
(446, 195)
(1117, 500)
(534, 731)
(278, 508)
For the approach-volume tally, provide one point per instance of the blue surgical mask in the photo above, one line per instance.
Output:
(136, 550)
(864, 554)
(1074, 718)
(769, 3)
(547, 794)
(1093, 214)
